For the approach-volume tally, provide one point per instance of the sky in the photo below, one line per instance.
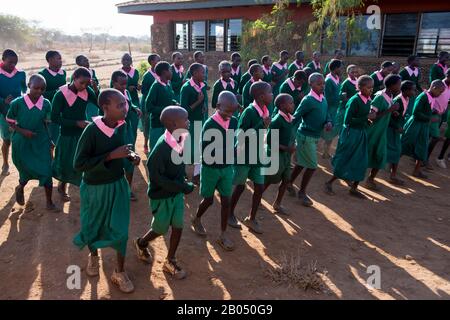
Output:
(93, 16)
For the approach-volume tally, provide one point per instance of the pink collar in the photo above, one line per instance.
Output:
(288, 117)
(335, 80)
(196, 86)
(179, 70)
(71, 97)
(300, 67)
(266, 71)
(354, 82)
(131, 73)
(316, 96)
(364, 98)
(235, 72)
(431, 100)
(405, 102)
(155, 76)
(109, 132)
(387, 98)
(218, 118)
(444, 68)
(6, 74)
(291, 85)
(412, 71)
(39, 104)
(263, 112)
(161, 82)
(253, 80)
(173, 143)
(379, 76)
(53, 73)
(224, 83)
(316, 65)
(280, 66)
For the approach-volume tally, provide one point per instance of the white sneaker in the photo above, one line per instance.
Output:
(441, 163)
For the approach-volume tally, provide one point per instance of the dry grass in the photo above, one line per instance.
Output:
(293, 272)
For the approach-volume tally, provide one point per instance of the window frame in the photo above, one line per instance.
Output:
(175, 35)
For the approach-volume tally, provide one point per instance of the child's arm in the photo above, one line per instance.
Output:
(156, 169)
(58, 101)
(303, 109)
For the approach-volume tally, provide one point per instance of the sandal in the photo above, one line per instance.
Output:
(197, 227)
(306, 201)
(225, 243)
(172, 268)
(253, 225)
(233, 222)
(279, 209)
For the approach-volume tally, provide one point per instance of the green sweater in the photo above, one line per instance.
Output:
(377, 84)
(14, 86)
(313, 116)
(244, 79)
(218, 88)
(147, 83)
(356, 113)
(422, 108)
(66, 116)
(188, 97)
(313, 68)
(92, 150)
(332, 93)
(225, 149)
(405, 76)
(158, 98)
(285, 131)
(177, 81)
(292, 69)
(398, 121)
(246, 96)
(350, 90)
(436, 73)
(53, 83)
(166, 179)
(295, 94)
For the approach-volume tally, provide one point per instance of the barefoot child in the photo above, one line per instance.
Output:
(282, 122)
(55, 77)
(177, 70)
(332, 95)
(350, 161)
(395, 129)
(338, 55)
(293, 86)
(147, 82)
(383, 106)
(69, 111)
(412, 72)
(298, 63)
(348, 90)
(119, 82)
(91, 108)
(12, 85)
(216, 173)
(193, 99)
(246, 76)
(160, 96)
(416, 136)
(378, 76)
(225, 83)
(28, 116)
(314, 65)
(280, 72)
(257, 73)
(166, 190)
(104, 192)
(314, 117)
(236, 72)
(255, 118)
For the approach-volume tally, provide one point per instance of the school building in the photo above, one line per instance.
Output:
(215, 26)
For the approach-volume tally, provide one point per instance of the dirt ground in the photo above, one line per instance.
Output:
(404, 231)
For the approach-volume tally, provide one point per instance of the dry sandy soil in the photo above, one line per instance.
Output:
(404, 231)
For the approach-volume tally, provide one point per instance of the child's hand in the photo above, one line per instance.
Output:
(119, 153)
(200, 97)
(82, 124)
(267, 122)
(328, 126)
(188, 187)
(394, 107)
(136, 160)
(8, 99)
(372, 115)
(28, 133)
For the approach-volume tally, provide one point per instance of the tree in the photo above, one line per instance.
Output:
(14, 31)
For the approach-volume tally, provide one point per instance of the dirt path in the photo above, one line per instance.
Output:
(404, 231)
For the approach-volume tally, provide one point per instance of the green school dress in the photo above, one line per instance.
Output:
(348, 90)
(244, 79)
(67, 109)
(378, 82)
(160, 96)
(177, 81)
(376, 133)
(412, 75)
(92, 109)
(293, 67)
(31, 156)
(133, 81)
(332, 94)
(350, 160)
(54, 81)
(104, 191)
(314, 67)
(416, 134)
(189, 96)
(147, 82)
(13, 84)
(394, 144)
(278, 70)
(220, 86)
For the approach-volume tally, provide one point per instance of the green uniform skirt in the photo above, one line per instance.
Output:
(63, 163)
(330, 135)
(32, 158)
(415, 139)
(394, 146)
(306, 151)
(5, 133)
(339, 120)
(54, 131)
(104, 216)
(350, 160)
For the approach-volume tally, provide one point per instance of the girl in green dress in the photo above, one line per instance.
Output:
(257, 73)
(377, 133)
(350, 160)
(177, 70)
(91, 108)
(104, 192)
(246, 76)
(280, 72)
(266, 63)
(225, 83)
(29, 117)
(69, 111)
(378, 76)
(348, 89)
(133, 85)
(236, 72)
(315, 63)
(298, 63)
(412, 71)
(12, 85)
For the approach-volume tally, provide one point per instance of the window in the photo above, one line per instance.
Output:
(198, 37)
(234, 32)
(181, 36)
(216, 36)
(399, 36)
(434, 35)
